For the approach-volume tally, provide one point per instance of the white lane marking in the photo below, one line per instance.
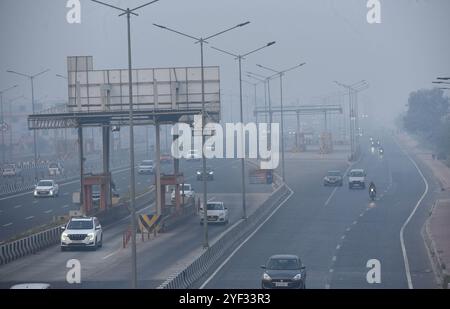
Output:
(35, 202)
(17, 206)
(354, 222)
(65, 206)
(343, 237)
(348, 229)
(327, 286)
(111, 254)
(331, 196)
(331, 270)
(30, 217)
(247, 239)
(48, 211)
(334, 259)
(338, 247)
(402, 240)
(362, 214)
(7, 224)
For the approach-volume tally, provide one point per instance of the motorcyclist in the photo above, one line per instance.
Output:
(372, 189)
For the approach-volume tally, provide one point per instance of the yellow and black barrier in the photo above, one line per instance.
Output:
(148, 223)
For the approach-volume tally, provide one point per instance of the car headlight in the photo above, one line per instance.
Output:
(198, 173)
(210, 173)
(297, 277)
(266, 277)
(91, 236)
(64, 236)
(51, 192)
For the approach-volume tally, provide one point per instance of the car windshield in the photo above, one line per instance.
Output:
(357, 174)
(215, 206)
(53, 165)
(186, 188)
(334, 173)
(9, 166)
(80, 225)
(147, 162)
(45, 183)
(283, 264)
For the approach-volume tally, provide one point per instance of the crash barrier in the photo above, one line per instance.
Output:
(13, 250)
(188, 276)
(439, 266)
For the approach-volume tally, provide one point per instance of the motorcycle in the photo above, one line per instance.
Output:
(372, 194)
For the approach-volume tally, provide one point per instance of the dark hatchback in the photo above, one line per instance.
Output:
(284, 272)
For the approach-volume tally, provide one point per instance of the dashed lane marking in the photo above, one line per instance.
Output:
(338, 247)
(17, 206)
(334, 259)
(48, 211)
(65, 206)
(7, 224)
(30, 217)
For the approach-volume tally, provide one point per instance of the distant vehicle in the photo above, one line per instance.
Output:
(96, 197)
(46, 187)
(82, 232)
(284, 271)
(209, 173)
(216, 213)
(357, 178)
(381, 150)
(188, 192)
(10, 170)
(146, 167)
(165, 158)
(333, 178)
(30, 286)
(193, 155)
(55, 169)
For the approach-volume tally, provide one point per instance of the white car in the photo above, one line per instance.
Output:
(10, 170)
(188, 192)
(193, 155)
(146, 167)
(357, 178)
(55, 169)
(82, 232)
(216, 213)
(46, 188)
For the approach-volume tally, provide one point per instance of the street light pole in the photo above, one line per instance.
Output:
(128, 12)
(240, 57)
(2, 121)
(32, 77)
(281, 74)
(203, 40)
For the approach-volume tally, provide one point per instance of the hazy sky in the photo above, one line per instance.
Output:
(405, 52)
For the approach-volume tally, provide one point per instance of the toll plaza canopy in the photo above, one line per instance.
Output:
(99, 97)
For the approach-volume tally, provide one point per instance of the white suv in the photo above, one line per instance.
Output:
(82, 232)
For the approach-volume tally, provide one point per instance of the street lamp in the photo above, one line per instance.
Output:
(128, 12)
(263, 81)
(240, 57)
(353, 110)
(443, 78)
(32, 77)
(10, 127)
(280, 74)
(3, 126)
(267, 81)
(203, 40)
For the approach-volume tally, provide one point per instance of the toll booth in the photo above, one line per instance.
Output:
(172, 180)
(104, 182)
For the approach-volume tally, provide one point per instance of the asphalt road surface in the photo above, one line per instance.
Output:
(337, 231)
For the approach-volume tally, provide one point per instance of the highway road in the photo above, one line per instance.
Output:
(337, 231)
(109, 267)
